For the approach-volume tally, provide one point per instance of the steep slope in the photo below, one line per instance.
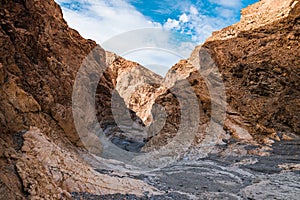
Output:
(37, 49)
(136, 85)
(257, 60)
(261, 69)
(39, 61)
(123, 126)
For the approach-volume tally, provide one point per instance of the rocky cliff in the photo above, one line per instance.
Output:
(39, 62)
(257, 61)
(260, 68)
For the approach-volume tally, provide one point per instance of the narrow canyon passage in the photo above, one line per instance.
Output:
(79, 122)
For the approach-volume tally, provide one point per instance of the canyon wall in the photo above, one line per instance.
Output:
(39, 62)
(257, 60)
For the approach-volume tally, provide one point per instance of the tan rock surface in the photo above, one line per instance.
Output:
(38, 65)
(255, 16)
(259, 68)
(261, 71)
(50, 172)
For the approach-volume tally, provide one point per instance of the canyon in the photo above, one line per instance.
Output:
(79, 122)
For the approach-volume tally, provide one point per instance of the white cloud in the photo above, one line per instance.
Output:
(184, 18)
(225, 12)
(193, 10)
(228, 3)
(101, 20)
(119, 27)
(171, 24)
(152, 47)
(197, 25)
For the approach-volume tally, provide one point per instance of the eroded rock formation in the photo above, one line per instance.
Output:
(39, 62)
(260, 68)
(257, 61)
(50, 172)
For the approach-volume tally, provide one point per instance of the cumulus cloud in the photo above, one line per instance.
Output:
(151, 47)
(197, 25)
(225, 12)
(204, 17)
(228, 3)
(193, 10)
(101, 20)
(172, 24)
(119, 27)
(184, 18)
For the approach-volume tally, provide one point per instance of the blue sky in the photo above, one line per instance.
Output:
(154, 33)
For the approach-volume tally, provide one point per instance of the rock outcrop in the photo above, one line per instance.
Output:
(39, 63)
(138, 86)
(50, 172)
(39, 60)
(256, 16)
(260, 68)
(257, 63)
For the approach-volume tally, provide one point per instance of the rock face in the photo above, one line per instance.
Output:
(137, 85)
(39, 62)
(122, 125)
(38, 48)
(256, 16)
(175, 101)
(260, 67)
(257, 61)
(51, 172)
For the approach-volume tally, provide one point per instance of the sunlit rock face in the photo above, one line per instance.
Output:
(48, 171)
(260, 68)
(257, 61)
(40, 60)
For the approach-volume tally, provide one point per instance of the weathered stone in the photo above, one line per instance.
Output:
(256, 59)
(48, 171)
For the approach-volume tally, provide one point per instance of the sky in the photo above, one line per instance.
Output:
(157, 33)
